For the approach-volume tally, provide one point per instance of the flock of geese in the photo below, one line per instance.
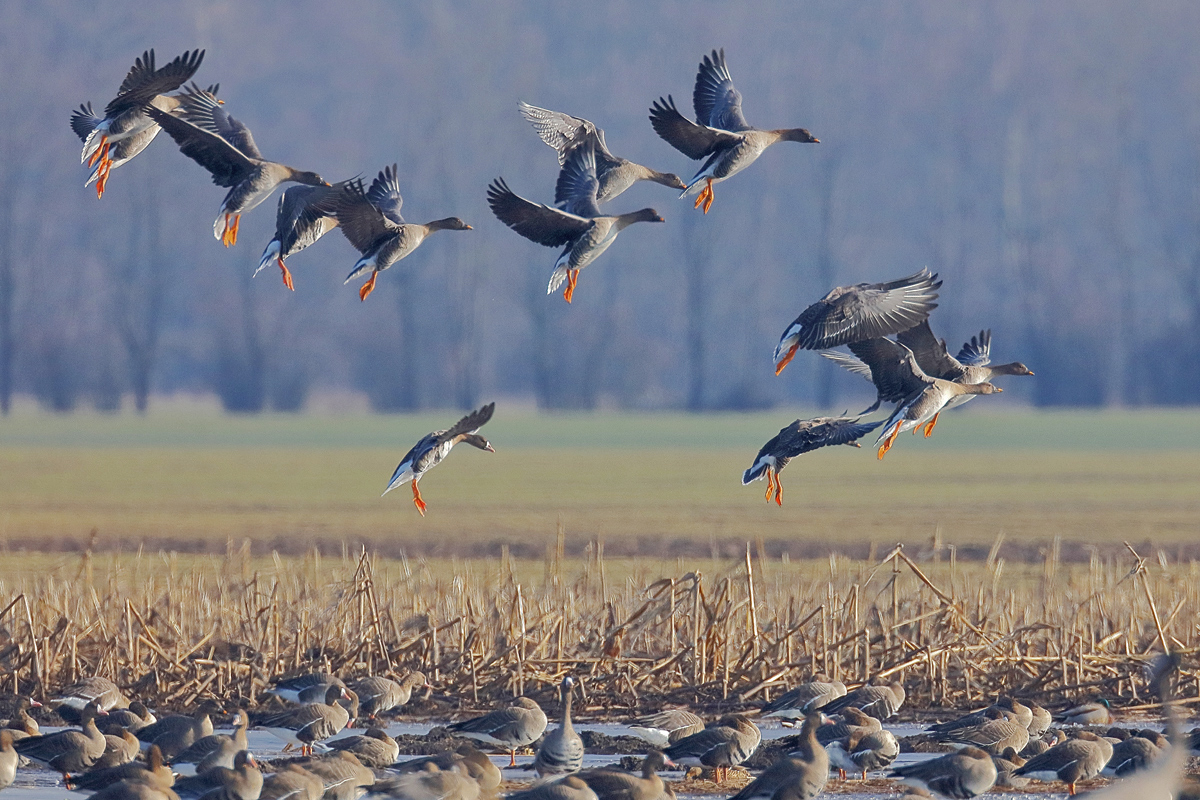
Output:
(1007, 744)
(913, 370)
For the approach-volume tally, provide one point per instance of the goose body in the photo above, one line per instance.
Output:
(68, 751)
(667, 727)
(132, 719)
(728, 743)
(1003, 708)
(1040, 720)
(433, 448)
(153, 771)
(344, 776)
(243, 782)
(375, 749)
(799, 775)
(378, 695)
(306, 725)
(721, 135)
(1095, 713)
(879, 702)
(1007, 763)
(958, 776)
(802, 436)
(794, 703)
(311, 687)
(1133, 755)
(8, 759)
(304, 214)
(1074, 760)
(101, 691)
(176, 733)
(292, 783)
(611, 784)
(993, 736)
(561, 751)
(120, 747)
(465, 757)
(217, 749)
(863, 751)
(519, 725)
(569, 788)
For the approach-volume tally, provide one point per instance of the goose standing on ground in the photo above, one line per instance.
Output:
(225, 147)
(578, 226)
(667, 726)
(20, 722)
(564, 133)
(802, 436)
(8, 759)
(378, 695)
(795, 702)
(958, 776)
(429, 452)
(728, 743)
(134, 718)
(305, 725)
(919, 398)
(375, 749)
(243, 782)
(863, 751)
(153, 771)
(561, 751)
(217, 749)
(176, 733)
(613, 784)
(70, 750)
(879, 702)
(370, 220)
(302, 217)
(101, 691)
(799, 775)
(519, 725)
(1074, 760)
(863, 311)
(720, 132)
(311, 687)
(125, 125)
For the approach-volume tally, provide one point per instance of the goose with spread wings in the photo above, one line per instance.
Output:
(899, 378)
(564, 133)
(429, 452)
(720, 133)
(578, 226)
(225, 147)
(370, 220)
(125, 129)
(302, 217)
(862, 311)
(971, 365)
(802, 436)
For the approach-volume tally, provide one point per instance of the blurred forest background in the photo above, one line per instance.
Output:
(1043, 157)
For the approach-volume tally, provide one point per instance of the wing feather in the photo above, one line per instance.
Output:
(536, 222)
(694, 141)
(716, 102)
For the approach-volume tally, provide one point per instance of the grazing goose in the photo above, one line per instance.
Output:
(154, 771)
(1075, 759)
(465, 757)
(344, 776)
(1040, 721)
(374, 748)
(1134, 754)
(958, 776)
(561, 752)
(994, 736)
(720, 133)
(851, 720)
(311, 687)
(578, 226)
(863, 311)
(243, 782)
(863, 751)
(308, 724)
(879, 702)
(178, 732)
(100, 691)
(120, 747)
(125, 123)
(135, 790)
(667, 727)
(571, 787)
(134, 718)
(802, 436)
(370, 220)
(799, 775)
(919, 398)
(794, 703)
(20, 723)
(519, 725)
(564, 133)
(431, 782)
(302, 217)
(1038, 746)
(728, 743)
(612, 784)
(217, 749)
(431, 449)
(377, 694)
(8, 759)
(1003, 708)
(1007, 763)
(70, 750)
(1094, 713)
(293, 782)
(231, 157)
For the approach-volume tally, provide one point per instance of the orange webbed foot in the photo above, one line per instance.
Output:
(887, 443)
(572, 281)
(420, 504)
(787, 359)
(287, 276)
(770, 485)
(102, 180)
(366, 290)
(778, 491)
(225, 232)
(237, 220)
(100, 152)
(929, 425)
(709, 200)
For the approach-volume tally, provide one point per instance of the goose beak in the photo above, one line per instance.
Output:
(471, 229)
(856, 444)
(998, 389)
(490, 449)
(1030, 372)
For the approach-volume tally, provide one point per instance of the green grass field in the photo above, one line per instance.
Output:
(659, 483)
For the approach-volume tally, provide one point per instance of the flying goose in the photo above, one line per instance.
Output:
(1075, 759)
(431, 449)
(578, 226)
(225, 147)
(958, 776)
(374, 748)
(308, 724)
(67, 751)
(370, 220)
(518, 725)
(862, 311)
(802, 436)
(879, 702)
(799, 775)
(794, 703)
(726, 744)
(720, 132)
(561, 751)
(667, 726)
(564, 133)
(125, 123)
(377, 694)
(613, 784)
(302, 217)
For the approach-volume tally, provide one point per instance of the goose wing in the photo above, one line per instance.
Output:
(227, 165)
(693, 140)
(716, 102)
(562, 131)
(384, 194)
(930, 352)
(144, 82)
(469, 424)
(201, 108)
(577, 185)
(360, 221)
(894, 369)
(84, 121)
(978, 351)
(866, 311)
(804, 436)
(536, 222)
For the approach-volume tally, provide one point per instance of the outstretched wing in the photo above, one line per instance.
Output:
(228, 165)
(717, 103)
(804, 436)
(144, 82)
(694, 141)
(866, 311)
(978, 351)
(536, 222)
(575, 190)
(360, 221)
(201, 108)
(468, 424)
(384, 194)
(930, 351)
(84, 121)
(847, 362)
(894, 369)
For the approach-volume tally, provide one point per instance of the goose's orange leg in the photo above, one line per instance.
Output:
(929, 425)
(572, 280)
(366, 289)
(707, 205)
(787, 359)
(287, 276)
(512, 754)
(102, 179)
(841, 774)
(778, 490)
(225, 232)
(705, 198)
(887, 443)
(100, 152)
(770, 485)
(420, 504)
(237, 221)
